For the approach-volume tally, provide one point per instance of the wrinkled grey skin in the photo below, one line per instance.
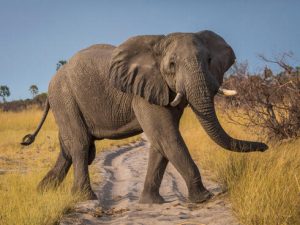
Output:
(117, 92)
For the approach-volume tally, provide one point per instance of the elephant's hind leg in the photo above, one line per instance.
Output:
(81, 160)
(75, 136)
(82, 151)
(157, 164)
(57, 174)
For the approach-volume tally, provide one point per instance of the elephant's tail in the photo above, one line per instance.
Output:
(29, 138)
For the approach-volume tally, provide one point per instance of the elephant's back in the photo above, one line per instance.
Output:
(98, 53)
(97, 50)
(90, 64)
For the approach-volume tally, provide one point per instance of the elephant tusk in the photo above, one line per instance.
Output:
(177, 99)
(227, 92)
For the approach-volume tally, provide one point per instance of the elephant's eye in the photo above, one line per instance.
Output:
(209, 60)
(172, 67)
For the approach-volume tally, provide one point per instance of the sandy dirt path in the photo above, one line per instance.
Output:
(122, 172)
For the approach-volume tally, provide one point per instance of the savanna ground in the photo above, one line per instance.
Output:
(264, 188)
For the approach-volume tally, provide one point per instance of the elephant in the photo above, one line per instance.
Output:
(142, 85)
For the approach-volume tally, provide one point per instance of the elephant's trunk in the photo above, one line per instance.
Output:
(200, 91)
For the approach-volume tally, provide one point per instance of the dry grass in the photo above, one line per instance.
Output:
(263, 187)
(24, 167)
(21, 204)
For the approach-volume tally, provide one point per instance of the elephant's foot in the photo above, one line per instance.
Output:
(200, 196)
(87, 193)
(91, 195)
(151, 198)
(50, 181)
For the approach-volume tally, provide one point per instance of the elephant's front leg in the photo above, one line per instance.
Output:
(157, 164)
(161, 127)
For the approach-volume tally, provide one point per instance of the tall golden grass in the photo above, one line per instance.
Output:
(264, 187)
(21, 204)
(21, 168)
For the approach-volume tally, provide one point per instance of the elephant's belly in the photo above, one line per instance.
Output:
(127, 130)
(111, 116)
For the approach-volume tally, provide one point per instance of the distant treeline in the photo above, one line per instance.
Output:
(37, 100)
(19, 105)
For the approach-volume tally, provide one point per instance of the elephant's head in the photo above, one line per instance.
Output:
(192, 65)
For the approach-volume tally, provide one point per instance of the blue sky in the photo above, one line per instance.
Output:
(35, 34)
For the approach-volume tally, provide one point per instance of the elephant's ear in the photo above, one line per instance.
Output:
(222, 55)
(135, 69)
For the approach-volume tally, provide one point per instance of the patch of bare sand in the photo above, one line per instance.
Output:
(123, 171)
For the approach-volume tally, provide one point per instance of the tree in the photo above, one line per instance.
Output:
(34, 90)
(60, 64)
(4, 92)
(280, 60)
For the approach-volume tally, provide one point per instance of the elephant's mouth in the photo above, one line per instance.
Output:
(177, 99)
(222, 91)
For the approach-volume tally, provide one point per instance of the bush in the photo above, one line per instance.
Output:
(268, 101)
